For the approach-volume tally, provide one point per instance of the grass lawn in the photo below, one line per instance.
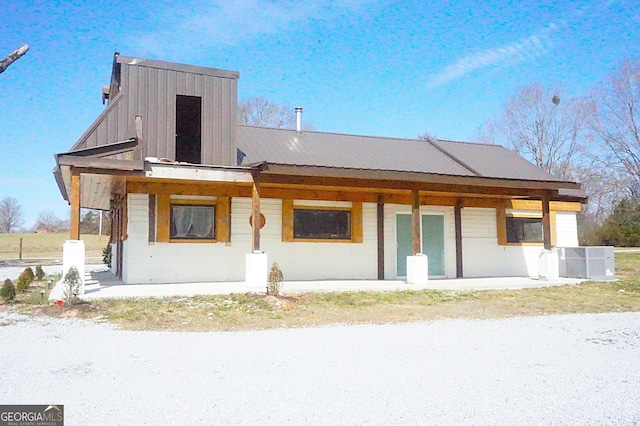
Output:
(46, 248)
(252, 311)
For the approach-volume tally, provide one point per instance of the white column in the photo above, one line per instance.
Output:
(418, 269)
(256, 270)
(548, 265)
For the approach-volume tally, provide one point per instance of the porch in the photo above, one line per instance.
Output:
(103, 284)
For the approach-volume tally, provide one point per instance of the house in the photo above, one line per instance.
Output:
(195, 197)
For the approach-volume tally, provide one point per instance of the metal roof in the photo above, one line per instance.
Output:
(310, 148)
(495, 161)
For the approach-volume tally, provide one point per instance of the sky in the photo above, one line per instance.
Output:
(370, 67)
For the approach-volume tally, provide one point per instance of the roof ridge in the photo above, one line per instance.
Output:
(453, 157)
(333, 133)
(364, 136)
(470, 143)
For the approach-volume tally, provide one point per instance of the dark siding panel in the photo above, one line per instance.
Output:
(152, 91)
(170, 127)
(150, 115)
(161, 114)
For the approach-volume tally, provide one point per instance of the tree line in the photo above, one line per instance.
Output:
(12, 220)
(592, 138)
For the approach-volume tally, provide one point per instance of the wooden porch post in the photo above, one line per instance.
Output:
(380, 219)
(458, 225)
(415, 216)
(546, 222)
(74, 201)
(255, 212)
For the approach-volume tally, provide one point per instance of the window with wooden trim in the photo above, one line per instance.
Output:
(524, 229)
(321, 223)
(186, 220)
(520, 228)
(192, 222)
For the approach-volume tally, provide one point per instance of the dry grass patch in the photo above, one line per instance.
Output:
(252, 311)
(37, 247)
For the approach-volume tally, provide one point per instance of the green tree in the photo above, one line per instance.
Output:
(622, 228)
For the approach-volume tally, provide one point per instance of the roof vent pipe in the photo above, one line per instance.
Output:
(298, 120)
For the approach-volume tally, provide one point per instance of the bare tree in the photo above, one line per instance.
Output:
(11, 216)
(259, 111)
(12, 57)
(616, 124)
(542, 126)
(49, 221)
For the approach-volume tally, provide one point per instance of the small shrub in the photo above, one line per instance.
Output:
(275, 280)
(39, 273)
(106, 255)
(8, 291)
(28, 272)
(25, 279)
(71, 285)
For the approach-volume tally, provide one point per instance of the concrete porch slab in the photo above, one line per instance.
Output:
(103, 284)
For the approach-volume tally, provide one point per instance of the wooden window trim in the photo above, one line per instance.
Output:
(501, 217)
(287, 222)
(222, 218)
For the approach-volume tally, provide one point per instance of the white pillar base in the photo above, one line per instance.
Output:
(418, 269)
(73, 255)
(256, 270)
(549, 265)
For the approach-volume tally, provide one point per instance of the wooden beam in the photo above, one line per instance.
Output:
(196, 189)
(559, 206)
(409, 179)
(287, 220)
(164, 212)
(380, 222)
(255, 212)
(356, 222)
(518, 189)
(74, 201)
(501, 225)
(546, 223)
(223, 219)
(457, 211)
(415, 216)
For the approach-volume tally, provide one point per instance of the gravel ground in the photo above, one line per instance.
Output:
(573, 369)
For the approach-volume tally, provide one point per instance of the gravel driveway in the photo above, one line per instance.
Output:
(573, 369)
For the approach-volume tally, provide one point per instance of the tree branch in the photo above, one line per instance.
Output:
(13, 56)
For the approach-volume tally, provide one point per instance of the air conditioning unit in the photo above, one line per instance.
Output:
(592, 263)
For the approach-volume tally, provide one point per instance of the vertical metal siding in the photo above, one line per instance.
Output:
(152, 93)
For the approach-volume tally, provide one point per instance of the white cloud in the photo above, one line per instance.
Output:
(196, 25)
(526, 49)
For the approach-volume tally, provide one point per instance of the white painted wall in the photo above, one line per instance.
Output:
(481, 254)
(483, 257)
(146, 262)
(567, 229)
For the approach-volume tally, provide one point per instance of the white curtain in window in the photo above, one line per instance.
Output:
(192, 221)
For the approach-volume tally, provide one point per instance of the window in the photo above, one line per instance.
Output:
(192, 222)
(188, 129)
(319, 221)
(322, 224)
(524, 230)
